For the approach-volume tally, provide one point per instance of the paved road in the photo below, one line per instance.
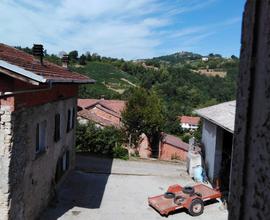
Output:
(104, 189)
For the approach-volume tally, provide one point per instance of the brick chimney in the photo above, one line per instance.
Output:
(38, 52)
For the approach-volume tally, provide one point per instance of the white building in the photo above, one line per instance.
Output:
(189, 122)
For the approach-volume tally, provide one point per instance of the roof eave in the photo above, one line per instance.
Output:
(36, 79)
(86, 81)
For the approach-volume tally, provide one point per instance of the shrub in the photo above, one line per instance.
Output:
(92, 139)
(120, 152)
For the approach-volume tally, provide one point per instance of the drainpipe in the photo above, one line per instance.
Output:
(26, 91)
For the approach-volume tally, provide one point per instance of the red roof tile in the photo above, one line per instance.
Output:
(84, 103)
(190, 120)
(116, 106)
(175, 141)
(95, 118)
(49, 71)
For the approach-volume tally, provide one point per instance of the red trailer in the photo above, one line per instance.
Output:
(177, 197)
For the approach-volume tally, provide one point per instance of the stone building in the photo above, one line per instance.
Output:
(38, 102)
(217, 138)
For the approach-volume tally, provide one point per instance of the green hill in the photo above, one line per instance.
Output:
(111, 82)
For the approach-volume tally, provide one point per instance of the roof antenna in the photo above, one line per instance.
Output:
(38, 52)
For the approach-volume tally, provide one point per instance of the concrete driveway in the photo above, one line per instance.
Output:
(105, 189)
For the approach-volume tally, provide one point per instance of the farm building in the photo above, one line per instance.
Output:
(217, 141)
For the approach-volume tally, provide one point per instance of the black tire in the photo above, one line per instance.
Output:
(178, 200)
(188, 190)
(169, 195)
(196, 207)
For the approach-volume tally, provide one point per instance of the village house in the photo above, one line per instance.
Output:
(100, 111)
(172, 148)
(189, 122)
(38, 105)
(217, 141)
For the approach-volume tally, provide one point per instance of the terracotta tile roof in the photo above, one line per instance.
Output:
(95, 118)
(189, 120)
(116, 106)
(49, 71)
(175, 141)
(84, 103)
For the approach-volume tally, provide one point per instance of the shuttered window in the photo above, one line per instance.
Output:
(68, 121)
(57, 125)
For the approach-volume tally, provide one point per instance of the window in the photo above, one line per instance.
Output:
(70, 119)
(62, 166)
(41, 136)
(73, 118)
(65, 161)
(57, 126)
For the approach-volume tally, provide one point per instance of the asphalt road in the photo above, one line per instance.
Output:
(105, 189)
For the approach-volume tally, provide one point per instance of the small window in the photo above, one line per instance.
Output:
(57, 125)
(41, 136)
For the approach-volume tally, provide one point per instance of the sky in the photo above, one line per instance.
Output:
(129, 29)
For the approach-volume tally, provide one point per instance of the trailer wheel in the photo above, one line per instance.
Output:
(169, 195)
(188, 190)
(196, 207)
(178, 200)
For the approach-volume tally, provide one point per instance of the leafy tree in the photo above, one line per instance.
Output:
(73, 55)
(144, 113)
(82, 59)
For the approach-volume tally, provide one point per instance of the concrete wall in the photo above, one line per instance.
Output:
(169, 152)
(209, 133)
(250, 178)
(31, 175)
(218, 152)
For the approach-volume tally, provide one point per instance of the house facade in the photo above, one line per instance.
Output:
(189, 122)
(38, 105)
(172, 148)
(100, 111)
(217, 141)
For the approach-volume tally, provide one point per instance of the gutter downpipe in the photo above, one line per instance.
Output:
(2, 94)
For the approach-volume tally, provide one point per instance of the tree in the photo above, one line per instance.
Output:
(73, 55)
(82, 59)
(144, 113)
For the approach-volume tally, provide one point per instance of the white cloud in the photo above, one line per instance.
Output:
(119, 28)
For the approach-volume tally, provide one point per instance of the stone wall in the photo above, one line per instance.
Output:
(31, 175)
(5, 155)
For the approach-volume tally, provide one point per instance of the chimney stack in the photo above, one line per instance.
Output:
(65, 60)
(38, 52)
